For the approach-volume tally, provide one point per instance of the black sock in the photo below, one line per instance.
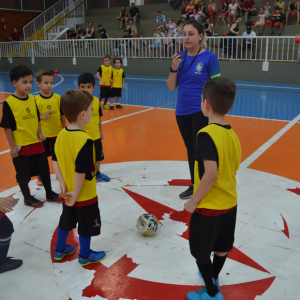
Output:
(4, 246)
(25, 190)
(47, 184)
(218, 264)
(208, 277)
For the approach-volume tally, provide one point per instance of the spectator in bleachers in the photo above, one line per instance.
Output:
(281, 6)
(232, 10)
(136, 43)
(179, 33)
(277, 17)
(131, 28)
(196, 4)
(134, 14)
(167, 45)
(298, 36)
(160, 21)
(80, 33)
(195, 14)
(223, 15)
(249, 41)
(123, 16)
(126, 43)
(16, 38)
(102, 32)
(212, 8)
(249, 9)
(207, 26)
(261, 22)
(293, 6)
(189, 8)
(267, 9)
(116, 47)
(158, 34)
(201, 11)
(90, 32)
(71, 35)
(171, 26)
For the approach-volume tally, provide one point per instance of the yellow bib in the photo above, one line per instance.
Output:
(93, 129)
(67, 146)
(222, 195)
(118, 78)
(51, 126)
(25, 114)
(106, 74)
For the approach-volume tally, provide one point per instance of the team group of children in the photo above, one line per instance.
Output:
(33, 127)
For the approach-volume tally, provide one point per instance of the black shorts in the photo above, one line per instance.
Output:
(207, 13)
(29, 166)
(87, 217)
(6, 227)
(49, 146)
(248, 46)
(99, 150)
(116, 92)
(209, 234)
(105, 92)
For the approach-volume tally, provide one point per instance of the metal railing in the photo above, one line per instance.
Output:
(38, 22)
(75, 10)
(279, 48)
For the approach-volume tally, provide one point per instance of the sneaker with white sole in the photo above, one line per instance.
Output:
(102, 177)
(59, 255)
(187, 194)
(93, 258)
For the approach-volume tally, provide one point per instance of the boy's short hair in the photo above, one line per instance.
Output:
(73, 102)
(220, 94)
(159, 12)
(106, 56)
(18, 72)
(99, 25)
(42, 73)
(117, 59)
(86, 78)
(277, 8)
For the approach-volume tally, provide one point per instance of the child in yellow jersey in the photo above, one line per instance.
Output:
(104, 75)
(214, 203)
(86, 82)
(51, 115)
(21, 123)
(118, 83)
(75, 166)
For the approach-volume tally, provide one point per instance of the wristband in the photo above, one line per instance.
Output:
(172, 71)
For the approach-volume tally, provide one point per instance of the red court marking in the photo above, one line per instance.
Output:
(296, 191)
(180, 182)
(286, 229)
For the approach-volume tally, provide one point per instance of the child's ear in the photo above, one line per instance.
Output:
(38, 84)
(94, 87)
(14, 82)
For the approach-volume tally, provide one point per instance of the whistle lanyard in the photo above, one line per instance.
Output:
(180, 68)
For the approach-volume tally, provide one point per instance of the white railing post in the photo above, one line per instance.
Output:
(32, 57)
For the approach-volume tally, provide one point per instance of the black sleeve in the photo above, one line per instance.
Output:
(54, 158)
(100, 71)
(123, 76)
(38, 113)
(100, 111)
(8, 119)
(61, 112)
(84, 161)
(206, 148)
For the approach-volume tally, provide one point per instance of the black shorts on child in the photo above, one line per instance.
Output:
(116, 92)
(99, 150)
(49, 146)
(105, 92)
(211, 233)
(29, 166)
(6, 227)
(87, 217)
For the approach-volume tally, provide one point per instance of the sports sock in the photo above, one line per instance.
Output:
(25, 190)
(47, 184)
(4, 246)
(100, 99)
(208, 277)
(85, 245)
(105, 101)
(111, 105)
(61, 239)
(218, 264)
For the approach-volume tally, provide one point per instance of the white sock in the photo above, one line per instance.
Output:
(111, 105)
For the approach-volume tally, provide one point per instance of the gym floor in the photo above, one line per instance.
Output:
(146, 159)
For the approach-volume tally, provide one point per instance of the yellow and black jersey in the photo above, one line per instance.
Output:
(51, 126)
(75, 153)
(117, 76)
(22, 117)
(93, 129)
(218, 143)
(105, 73)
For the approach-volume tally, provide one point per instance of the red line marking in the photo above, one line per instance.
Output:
(296, 191)
(286, 228)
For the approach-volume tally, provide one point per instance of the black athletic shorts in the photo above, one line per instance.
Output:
(87, 217)
(6, 227)
(99, 150)
(49, 146)
(105, 92)
(207, 234)
(116, 92)
(207, 13)
(29, 166)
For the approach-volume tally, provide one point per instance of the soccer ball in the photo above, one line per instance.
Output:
(147, 224)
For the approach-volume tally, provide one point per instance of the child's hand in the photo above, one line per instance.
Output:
(63, 189)
(190, 206)
(103, 82)
(123, 87)
(14, 152)
(41, 137)
(112, 81)
(5, 205)
(48, 113)
(70, 201)
(111, 86)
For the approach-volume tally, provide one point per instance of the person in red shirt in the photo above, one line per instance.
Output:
(189, 8)
(15, 37)
(249, 9)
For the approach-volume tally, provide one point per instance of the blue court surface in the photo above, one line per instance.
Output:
(254, 99)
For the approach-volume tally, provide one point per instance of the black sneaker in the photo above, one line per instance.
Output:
(10, 264)
(54, 197)
(119, 106)
(33, 202)
(111, 107)
(188, 193)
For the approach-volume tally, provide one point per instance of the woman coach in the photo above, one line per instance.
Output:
(190, 70)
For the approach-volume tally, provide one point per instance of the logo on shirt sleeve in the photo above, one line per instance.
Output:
(199, 68)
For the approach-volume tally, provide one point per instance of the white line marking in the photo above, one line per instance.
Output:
(258, 118)
(4, 151)
(247, 162)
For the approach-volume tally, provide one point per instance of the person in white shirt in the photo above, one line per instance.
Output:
(158, 41)
(248, 41)
(171, 26)
(232, 10)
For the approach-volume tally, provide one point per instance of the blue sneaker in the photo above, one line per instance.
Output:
(93, 258)
(217, 280)
(102, 177)
(68, 250)
(202, 295)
